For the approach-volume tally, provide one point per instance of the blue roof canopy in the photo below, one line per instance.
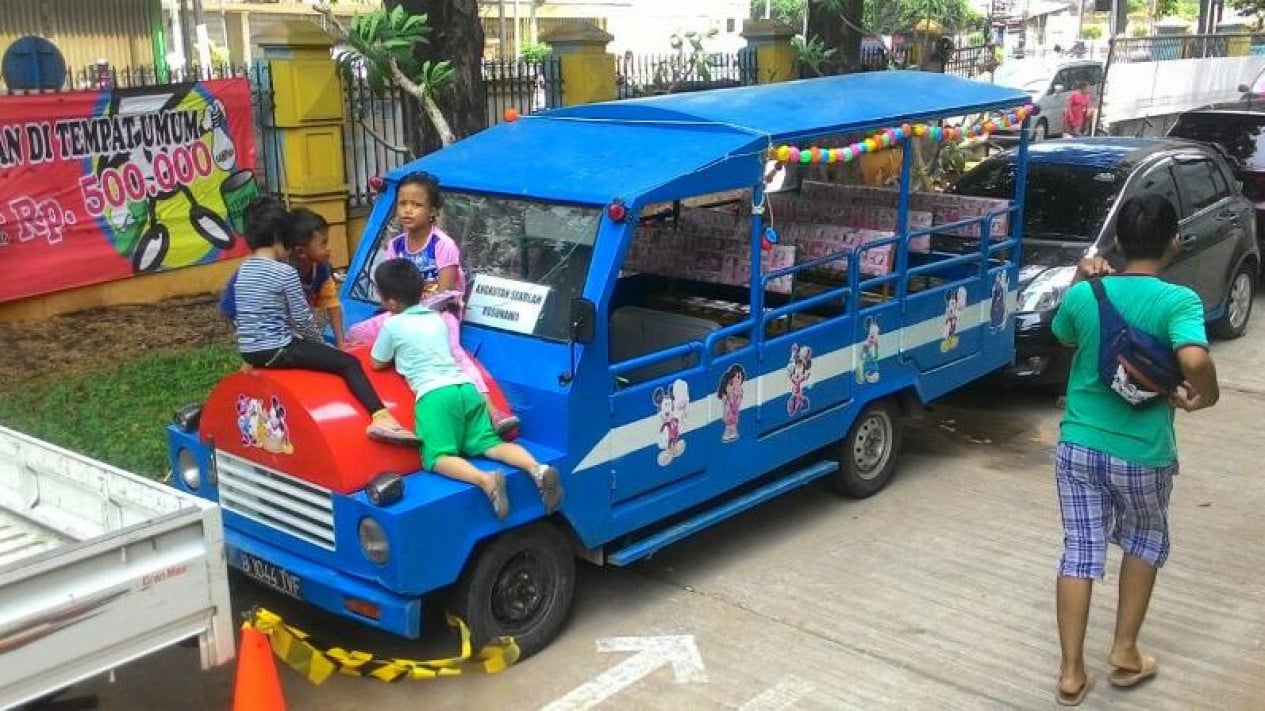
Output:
(639, 149)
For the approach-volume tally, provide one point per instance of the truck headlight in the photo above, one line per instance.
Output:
(188, 470)
(1045, 291)
(373, 540)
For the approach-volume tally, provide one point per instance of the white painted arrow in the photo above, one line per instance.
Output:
(650, 654)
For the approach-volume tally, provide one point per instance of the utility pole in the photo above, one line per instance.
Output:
(502, 35)
(518, 32)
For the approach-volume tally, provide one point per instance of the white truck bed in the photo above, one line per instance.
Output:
(99, 567)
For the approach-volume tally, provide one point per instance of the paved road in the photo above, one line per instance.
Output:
(938, 593)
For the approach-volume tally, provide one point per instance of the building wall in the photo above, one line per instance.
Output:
(85, 31)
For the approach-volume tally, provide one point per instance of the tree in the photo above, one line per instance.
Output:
(788, 12)
(885, 17)
(1250, 8)
(837, 24)
(457, 37)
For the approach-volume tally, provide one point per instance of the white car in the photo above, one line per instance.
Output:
(1050, 83)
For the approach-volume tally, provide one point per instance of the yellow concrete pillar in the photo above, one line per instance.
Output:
(774, 56)
(308, 124)
(588, 70)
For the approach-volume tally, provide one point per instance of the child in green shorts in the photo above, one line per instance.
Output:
(451, 416)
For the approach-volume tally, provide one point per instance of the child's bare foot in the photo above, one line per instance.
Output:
(550, 484)
(385, 428)
(497, 494)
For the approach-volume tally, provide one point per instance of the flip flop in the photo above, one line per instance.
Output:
(1077, 698)
(549, 481)
(499, 497)
(391, 434)
(1125, 678)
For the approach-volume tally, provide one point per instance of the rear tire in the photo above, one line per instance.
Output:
(1238, 305)
(520, 585)
(867, 455)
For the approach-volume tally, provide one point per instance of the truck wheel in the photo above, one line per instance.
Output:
(1041, 131)
(520, 585)
(867, 456)
(1238, 305)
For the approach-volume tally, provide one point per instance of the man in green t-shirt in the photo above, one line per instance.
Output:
(1115, 463)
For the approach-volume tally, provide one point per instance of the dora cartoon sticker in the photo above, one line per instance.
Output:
(798, 371)
(954, 306)
(867, 371)
(729, 392)
(998, 310)
(674, 404)
(263, 425)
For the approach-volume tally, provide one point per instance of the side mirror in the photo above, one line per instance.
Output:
(1244, 88)
(1058, 89)
(583, 321)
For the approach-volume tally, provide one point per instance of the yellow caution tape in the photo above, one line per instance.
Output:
(299, 651)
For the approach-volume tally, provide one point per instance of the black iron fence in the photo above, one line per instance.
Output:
(650, 75)
(971, 61)
(1127, 50)
(99, 77)
(384, 129)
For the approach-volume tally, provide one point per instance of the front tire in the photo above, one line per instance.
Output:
(1041, 131)
(1238, 305)
(867, 455)
(520, 585)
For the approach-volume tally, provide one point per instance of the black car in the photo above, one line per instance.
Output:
(1237, 129)
(1074, 190)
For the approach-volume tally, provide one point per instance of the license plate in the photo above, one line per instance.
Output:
(274, 576)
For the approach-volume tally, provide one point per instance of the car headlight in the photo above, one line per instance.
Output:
(1045, 291)
(188, 470)
(373, 540)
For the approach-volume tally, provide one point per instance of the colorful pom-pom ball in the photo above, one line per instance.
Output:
(920, 130)
(1012, 117)
(831, 155)
(871, 145)
(990, 127)
(898, 135)
(845, 154)
(1029, 109)
(783, 153)
(511, 114)
(885, 139)
(937, 133)
(806, 157)
(793, 155)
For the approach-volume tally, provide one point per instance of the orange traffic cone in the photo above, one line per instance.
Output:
(257, 688)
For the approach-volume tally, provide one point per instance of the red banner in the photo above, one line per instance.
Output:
(102, 185)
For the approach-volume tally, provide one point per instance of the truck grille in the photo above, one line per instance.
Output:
(299, 508)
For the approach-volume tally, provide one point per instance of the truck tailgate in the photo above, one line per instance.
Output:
(99, 567)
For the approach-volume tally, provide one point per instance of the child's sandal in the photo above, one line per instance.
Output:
(391, 434)
(549, 481)
(499, 496)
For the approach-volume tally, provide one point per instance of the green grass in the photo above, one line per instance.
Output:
(118, 414)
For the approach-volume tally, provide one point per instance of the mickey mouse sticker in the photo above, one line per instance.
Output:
(867, 371)
(674, 404)
(998, 310)
(954, 306)
(798, 371)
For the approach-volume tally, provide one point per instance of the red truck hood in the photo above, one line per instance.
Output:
(308, 425)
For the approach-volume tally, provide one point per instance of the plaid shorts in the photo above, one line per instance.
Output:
(1101, 495)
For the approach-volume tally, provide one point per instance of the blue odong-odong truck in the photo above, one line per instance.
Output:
(674, 357)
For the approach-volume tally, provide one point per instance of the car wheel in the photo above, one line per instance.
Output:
(867, 456)
(1238, 305)
(1041, 131)
(521, 585)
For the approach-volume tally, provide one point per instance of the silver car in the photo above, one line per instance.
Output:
(1050, 84)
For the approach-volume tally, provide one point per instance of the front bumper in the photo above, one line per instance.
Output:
(322, 587)
(1039, 357)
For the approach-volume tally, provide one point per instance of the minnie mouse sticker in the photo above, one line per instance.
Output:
(673, 406)
(998, 310)
(954, 305)
(798, 371)
(729, 392)
(263, 425)
(867, 371)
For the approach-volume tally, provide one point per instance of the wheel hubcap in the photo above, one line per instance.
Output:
(521, 591)
(1240, 300)
(872, 446)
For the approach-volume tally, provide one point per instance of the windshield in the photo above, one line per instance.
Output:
(1063, 202)
(1238, 135)
(524, 260)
